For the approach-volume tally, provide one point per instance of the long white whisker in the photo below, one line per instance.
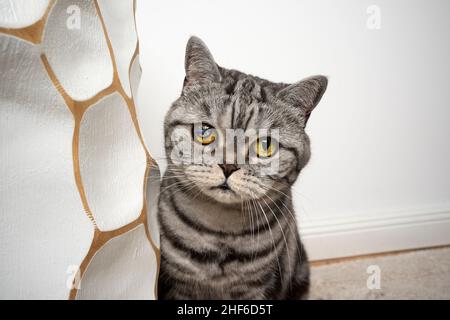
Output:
(299, 250)
(284, 237)
(271, 235)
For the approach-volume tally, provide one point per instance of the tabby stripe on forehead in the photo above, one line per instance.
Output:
(233, 112)
(206, 109)
(252, 112)
(240, 118)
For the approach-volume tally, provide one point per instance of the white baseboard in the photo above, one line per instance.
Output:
(338, 237)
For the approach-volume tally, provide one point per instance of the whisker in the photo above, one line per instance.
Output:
(299, 250)
(284, 237)
(273, 240)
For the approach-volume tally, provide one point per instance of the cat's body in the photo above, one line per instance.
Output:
(227, 230)
(206, 258)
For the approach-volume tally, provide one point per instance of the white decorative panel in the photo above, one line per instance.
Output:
(112, 271)
(112, 163)
(153, 181)
(81, 63)
(72, 164)
(21, 13)
(43, 227)
(119, 20)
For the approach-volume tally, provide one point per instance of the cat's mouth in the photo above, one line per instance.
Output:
(223, 187)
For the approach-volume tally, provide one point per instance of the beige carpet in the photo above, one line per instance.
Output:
(421, 274)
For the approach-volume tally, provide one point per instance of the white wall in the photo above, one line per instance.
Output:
(379, 136)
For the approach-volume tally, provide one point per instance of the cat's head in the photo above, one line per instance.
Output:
(235, 137)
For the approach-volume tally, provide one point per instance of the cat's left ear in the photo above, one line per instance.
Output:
(305, 94)
(199, 64)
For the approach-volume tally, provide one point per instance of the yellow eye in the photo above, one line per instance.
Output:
(265, 148)
(205, 134)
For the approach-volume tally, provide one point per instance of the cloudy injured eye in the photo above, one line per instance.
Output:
(204, 134)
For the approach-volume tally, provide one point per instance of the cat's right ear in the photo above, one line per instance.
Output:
(305, 95)
(199, 64)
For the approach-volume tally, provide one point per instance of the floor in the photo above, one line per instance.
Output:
(423, 274)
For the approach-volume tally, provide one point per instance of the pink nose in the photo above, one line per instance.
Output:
(228, 169)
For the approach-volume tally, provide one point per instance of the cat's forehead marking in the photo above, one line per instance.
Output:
(242, 105)
(239, 101)
(239, 113)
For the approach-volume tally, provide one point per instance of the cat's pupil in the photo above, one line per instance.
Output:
(265, 143)
(206, 130)
(206, 133)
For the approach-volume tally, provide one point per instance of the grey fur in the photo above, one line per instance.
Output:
(244, 243)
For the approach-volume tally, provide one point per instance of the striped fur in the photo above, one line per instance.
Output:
(239, 243)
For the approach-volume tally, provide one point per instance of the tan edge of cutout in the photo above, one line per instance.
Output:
(33, 33)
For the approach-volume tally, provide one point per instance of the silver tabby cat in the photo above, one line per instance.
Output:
(228, 231)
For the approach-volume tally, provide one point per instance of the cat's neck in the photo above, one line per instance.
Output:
(212, 214)
(221, 217)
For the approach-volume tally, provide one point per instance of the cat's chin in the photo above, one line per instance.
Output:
(223, 195)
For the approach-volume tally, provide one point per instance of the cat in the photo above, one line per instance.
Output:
(228, 231)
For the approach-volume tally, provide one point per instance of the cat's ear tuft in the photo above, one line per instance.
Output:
(305, 94)
(199, 64)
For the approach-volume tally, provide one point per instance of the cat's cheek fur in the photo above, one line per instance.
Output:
(241, 183)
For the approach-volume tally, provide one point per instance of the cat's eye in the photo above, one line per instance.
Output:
(205, 134)
(265, 147)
